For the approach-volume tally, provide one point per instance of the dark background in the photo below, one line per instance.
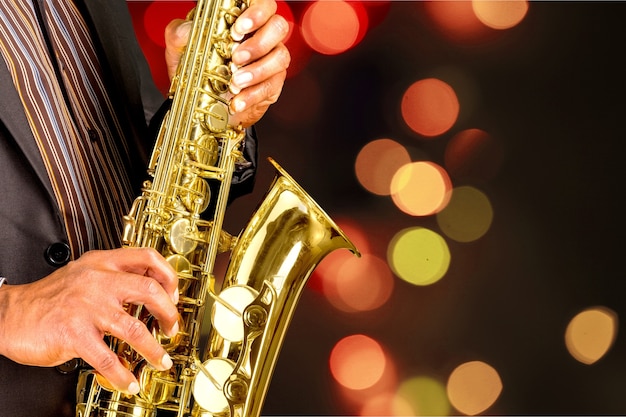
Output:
(552, 91)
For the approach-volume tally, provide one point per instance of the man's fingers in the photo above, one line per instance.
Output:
(97, 354)
(275, 62)
(253, 18)
(146, 291)
(144, 262)
(262, 42)
(136, 334)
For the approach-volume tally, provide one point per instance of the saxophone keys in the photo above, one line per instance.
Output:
(181, 236)
(228, 311)
(156, 387)
(216, 117)
(213, 388)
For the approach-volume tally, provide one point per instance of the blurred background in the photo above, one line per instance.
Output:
(474, 152)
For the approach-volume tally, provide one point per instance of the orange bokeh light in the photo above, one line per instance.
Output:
(430, 107)
(328, 268)
(361, 284)
(500, 14)
(421, 188)
(332, 27)
(456, 20)
(377, 162)
(357, 362)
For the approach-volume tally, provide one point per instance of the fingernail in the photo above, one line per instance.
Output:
(175, 296)
(238, 105)
(241, 78)
(167, 361)
(174, 330)
(244, 24)
(240, 28)
(183, 29)
(242, 56)
(133, 388)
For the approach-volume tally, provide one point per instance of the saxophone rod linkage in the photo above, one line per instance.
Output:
(226, 304)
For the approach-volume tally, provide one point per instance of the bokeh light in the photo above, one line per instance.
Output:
(329, 268)
(357, 362)
(332, 27)
(473, 387)
(591, 333)
(361, 284)
(426, 395)
(500, 14)
(473, 154)
(468, 215)
(158, 14)
(386, 404)
(430, 107)
(421, 188)
(456, 20)
(377, 163)
(418, 256)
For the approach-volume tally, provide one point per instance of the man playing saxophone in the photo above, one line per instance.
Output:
(77, 101)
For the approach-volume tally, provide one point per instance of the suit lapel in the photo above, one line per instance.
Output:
(14, 119)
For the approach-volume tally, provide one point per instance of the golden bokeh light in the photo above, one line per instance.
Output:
(357, 362)
(421, 188)
(503, 14)
(361, 284)
(426, 396)
(430, 107)
(591, 333)
(473, 154)
(473, 387)
(418, 256)
(332, 27)
(468, 215)
(377, 162)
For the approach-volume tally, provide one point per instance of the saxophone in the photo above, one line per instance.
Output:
(225, 371)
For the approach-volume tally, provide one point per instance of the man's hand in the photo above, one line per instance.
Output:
(67, 314)
(261, 58)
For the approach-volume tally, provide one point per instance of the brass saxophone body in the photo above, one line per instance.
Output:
(225, 371)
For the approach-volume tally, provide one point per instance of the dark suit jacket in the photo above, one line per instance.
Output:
(29, 219)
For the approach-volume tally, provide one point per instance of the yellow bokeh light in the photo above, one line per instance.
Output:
(421, 188)
(418, 256)
(503, 14)
(468, 215)
(473, 387)
(357, 362)
(590, 334)
(377, 162)
(426, 396)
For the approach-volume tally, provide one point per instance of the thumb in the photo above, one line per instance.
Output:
(176, 39)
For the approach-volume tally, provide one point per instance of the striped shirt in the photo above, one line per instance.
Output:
(49, 52)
